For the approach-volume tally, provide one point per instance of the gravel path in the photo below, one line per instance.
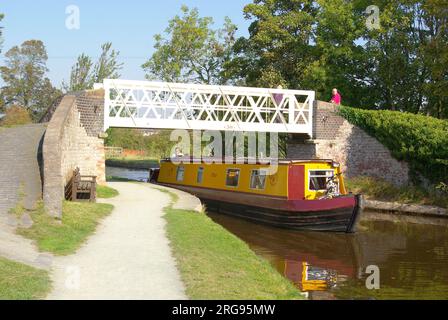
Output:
(127, 258)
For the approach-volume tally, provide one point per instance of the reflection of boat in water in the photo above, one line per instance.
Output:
(309, 277)
(313, 261)
(299, 194)
(319, 262)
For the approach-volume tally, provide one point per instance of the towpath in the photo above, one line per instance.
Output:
(129, 255)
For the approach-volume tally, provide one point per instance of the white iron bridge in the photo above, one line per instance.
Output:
(163, 105)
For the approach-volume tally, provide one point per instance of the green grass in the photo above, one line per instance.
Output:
(381, 190)
(106, 192)
(79, 221)
(215, 264)
(22, 282)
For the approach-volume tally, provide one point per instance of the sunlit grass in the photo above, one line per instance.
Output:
(377, 189)
(22, 282)
(79, 221)
(106, 192)
(215, 264)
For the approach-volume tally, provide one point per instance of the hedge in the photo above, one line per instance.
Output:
(420, 140)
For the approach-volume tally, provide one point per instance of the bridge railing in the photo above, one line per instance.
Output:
(162, 105)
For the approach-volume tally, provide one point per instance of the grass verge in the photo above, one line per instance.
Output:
(377, 189)
(79, 221)
(22, 282)
(106, 192)
(215, 264)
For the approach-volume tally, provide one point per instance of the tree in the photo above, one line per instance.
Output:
(323, 44)
(15, 116)
(107, 66)
(300, 44)
(396, 73)
(338, 61)
(278, 48)
(435, 57)
(80, 76)
(2, 102)
(84, 74)
(191, 51)
(24, 77)
(1, 32)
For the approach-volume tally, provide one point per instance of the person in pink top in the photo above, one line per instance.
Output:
(336, 99)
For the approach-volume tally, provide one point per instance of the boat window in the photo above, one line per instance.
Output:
(318, 179)
(233, 175)
(200, 177)
(258, 179)
(180, 173)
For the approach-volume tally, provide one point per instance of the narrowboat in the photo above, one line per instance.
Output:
(299, 194)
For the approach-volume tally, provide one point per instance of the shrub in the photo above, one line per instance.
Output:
(15, 116)
(378, 189)
(422, 141)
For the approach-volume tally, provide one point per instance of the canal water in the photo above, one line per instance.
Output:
(410, 253)
(131, 174)
(411, 256)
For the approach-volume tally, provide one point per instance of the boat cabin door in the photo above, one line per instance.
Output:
(296, 182)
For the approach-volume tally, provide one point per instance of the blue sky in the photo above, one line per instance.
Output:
(130, 25)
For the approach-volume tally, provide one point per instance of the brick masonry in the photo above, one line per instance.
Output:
(72, 140)
(358, 153)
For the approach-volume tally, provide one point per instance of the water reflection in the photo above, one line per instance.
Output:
(412, 258)
(131, 174)
(411, 252)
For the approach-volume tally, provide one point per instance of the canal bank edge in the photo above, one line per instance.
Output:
(402, 208)
(214, 263)
(182, 200)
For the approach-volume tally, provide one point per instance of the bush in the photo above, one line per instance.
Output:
(378, 189)
(156, 145)
(422, 141)
(15, 116)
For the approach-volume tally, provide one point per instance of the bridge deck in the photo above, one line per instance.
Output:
(143, 104)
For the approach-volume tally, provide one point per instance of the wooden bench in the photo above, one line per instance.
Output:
(81, 188)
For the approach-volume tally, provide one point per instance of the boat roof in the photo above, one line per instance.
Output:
(246, 160)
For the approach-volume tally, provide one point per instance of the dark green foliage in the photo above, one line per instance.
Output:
(1, 31)
(24, 79)
(319, 45)
(422, 141)
(191, 50)
(156, 145)
(85, 73)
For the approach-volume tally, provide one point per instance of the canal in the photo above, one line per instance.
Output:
(411, 254)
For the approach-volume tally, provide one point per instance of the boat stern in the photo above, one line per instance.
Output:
(357, 210)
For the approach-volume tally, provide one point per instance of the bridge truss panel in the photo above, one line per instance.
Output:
(163, 105)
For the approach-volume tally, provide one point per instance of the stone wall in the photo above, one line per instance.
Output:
(358, 153)
(72, 139)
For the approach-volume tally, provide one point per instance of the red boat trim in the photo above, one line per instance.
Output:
(269, 202)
